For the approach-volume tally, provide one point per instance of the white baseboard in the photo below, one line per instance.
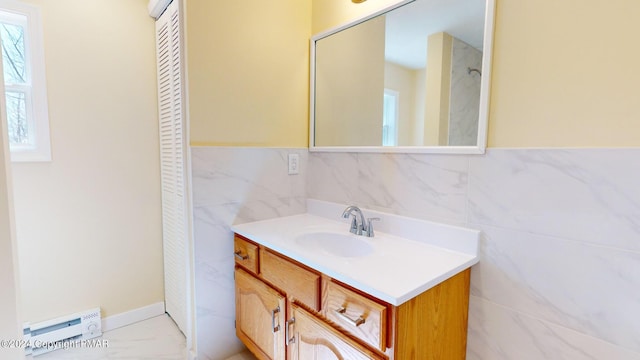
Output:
(132, 316)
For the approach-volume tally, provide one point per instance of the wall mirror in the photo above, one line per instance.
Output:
(411, 78)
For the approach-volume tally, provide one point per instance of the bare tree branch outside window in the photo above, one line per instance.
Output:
(14, 64)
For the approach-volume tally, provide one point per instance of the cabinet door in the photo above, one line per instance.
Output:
(260, 314)
(314, 339)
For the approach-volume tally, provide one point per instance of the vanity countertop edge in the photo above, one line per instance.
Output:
(398, 270)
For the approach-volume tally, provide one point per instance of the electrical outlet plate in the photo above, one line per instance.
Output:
(294, 164)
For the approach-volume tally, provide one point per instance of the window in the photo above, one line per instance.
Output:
(390, 118)
(25, 93)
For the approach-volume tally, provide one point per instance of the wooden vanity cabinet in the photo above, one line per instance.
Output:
(358, 314)
(295, 280)
(260, 316)
(313, 338)
(285, 310)
(433, 325)
(246, 254)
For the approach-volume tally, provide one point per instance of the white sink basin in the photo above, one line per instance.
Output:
(406, 257)
(338, 244)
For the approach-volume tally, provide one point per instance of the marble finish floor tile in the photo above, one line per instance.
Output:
(246, 355)
(155, 338)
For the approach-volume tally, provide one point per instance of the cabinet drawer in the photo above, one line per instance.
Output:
(296, 281)
(360, 316)
(246, 253)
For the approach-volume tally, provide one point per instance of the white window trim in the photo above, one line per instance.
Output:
(396, 97)
(35, 60)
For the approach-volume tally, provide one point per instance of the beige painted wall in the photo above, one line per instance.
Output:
(89, 223)
(10, 324)
(438, 85)
(564, 74)
(420, 101)
(328, 14)
(248, 64)
(349, 113)
(563, 71)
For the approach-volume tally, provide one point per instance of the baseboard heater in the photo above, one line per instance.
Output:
(75, 327)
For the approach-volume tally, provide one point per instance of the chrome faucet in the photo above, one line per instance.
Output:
(361, 227)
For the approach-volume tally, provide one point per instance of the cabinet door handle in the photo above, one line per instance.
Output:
(275, 327)
(239, 256)
(341, 314)
(290, 339)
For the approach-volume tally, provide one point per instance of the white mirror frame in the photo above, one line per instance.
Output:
(485, 87)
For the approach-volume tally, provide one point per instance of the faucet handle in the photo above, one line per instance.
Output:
(369, 231)
(354, 225)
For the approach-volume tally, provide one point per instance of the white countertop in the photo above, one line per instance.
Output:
(398, 269)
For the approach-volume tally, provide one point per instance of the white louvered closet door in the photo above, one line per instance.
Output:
(172, 158)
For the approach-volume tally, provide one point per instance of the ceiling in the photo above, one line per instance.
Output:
(408, 27)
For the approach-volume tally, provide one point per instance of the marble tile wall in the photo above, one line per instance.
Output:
(559, 271)
(464, 106)
(433, 187)
(559, 274)
(230, 186)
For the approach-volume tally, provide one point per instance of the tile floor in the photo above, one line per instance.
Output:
(243, 356)
(155, 338)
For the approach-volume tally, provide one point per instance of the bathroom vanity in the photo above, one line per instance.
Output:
(402, 294)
